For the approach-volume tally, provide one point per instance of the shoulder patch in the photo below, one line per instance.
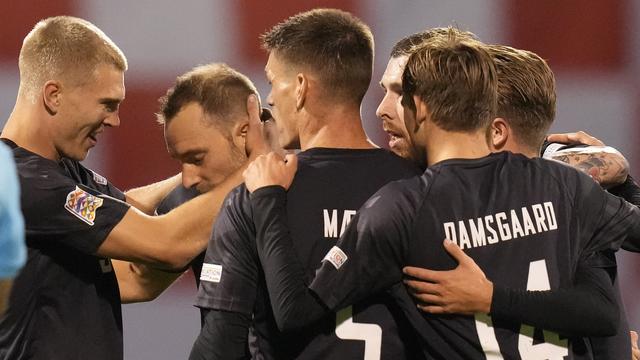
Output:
(211, 272)
(99, 178)
(83, 205)
(336, 257)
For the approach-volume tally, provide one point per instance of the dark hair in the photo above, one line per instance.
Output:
(218, 88)
(456, 79)
(406, 45)
(331, 43)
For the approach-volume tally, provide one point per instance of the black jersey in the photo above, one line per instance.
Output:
(65, 303)
(526, 222)
(330, 185)
(617, 346)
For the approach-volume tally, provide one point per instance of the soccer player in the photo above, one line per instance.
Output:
(205, 119)
(13, 251)
(319, 67)
(65, 303)
(526, 108)
(496, 206)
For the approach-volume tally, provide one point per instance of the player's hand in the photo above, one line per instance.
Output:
(575, 138)
(270, 169)
(635, 352)
(463, 290)
(262, 133)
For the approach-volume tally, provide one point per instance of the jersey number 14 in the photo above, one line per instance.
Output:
(553, 348)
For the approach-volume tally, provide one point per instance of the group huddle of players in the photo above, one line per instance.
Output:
(459, 243)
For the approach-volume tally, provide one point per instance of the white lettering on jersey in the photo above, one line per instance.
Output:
(211, 272)
(330, 223)
(331, 218)
(512, 224)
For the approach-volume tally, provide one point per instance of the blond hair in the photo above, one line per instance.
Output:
(64, 47)
(526, 93)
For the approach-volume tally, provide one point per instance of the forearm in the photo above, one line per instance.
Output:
(172, 240)
(146, 198)
(139, 282)
(293, 304)
(224, 335)
(586, 309)
(605, 164)
(628, 190)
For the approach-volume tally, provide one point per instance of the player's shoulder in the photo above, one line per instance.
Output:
(237, 200)
(399, 194)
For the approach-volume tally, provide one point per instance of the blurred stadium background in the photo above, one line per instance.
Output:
(592, 46)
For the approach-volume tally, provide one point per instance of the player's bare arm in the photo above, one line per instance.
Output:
(604, 164)
(146, 198)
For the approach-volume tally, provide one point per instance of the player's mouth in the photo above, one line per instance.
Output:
(394, 138)
(93, 138)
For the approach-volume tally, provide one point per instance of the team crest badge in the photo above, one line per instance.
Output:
(83, 205)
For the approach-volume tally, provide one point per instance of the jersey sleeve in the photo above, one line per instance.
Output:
(371, 253)
(587, 308)
(230, 271)
(609, 221)
(56, 209)
(12, 245)
(293, 304)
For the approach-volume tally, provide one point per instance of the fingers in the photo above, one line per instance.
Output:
(454, 250)
(579, 137)
(421, 274)
(432, 309)
(421, 287)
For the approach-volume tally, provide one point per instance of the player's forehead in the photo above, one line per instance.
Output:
(393, 73)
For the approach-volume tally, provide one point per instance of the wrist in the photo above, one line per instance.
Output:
(487, 298)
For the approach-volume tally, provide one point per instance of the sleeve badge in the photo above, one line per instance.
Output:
(83, 205)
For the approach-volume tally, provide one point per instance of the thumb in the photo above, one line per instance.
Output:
(455, 251)
(634, 339)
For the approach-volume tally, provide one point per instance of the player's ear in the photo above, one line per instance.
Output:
(302, 86)
(499, 132)
(421, 110)
(52, 96)
(239, 132)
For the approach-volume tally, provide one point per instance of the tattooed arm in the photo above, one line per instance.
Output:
(603, 163)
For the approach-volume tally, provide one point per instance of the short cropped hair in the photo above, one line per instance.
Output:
(333, 44)
(219, 89)
(64, 47)
(526, 93)
(407, 44)
(457, 81)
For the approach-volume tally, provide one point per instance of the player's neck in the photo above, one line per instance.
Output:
(443, 145)
(24, 128)
(337, 127)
